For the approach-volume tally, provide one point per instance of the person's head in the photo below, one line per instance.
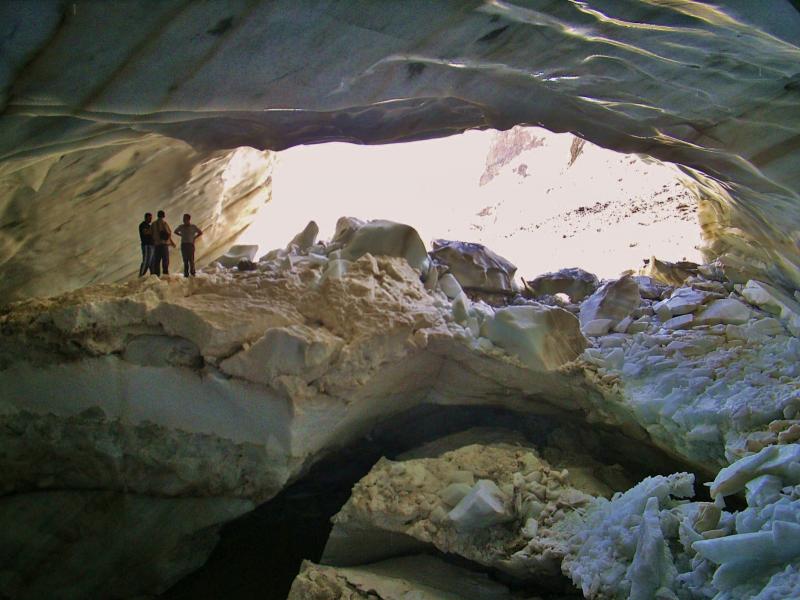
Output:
(148, 217)
(187, 218)
(161, 214)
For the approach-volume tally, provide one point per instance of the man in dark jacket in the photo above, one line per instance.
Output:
(146, 237)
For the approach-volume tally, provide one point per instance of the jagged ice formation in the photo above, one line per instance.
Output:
(224, 388)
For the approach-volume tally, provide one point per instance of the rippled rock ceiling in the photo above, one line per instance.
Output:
(712, 87)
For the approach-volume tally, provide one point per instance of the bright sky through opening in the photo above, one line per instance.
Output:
(604, 213)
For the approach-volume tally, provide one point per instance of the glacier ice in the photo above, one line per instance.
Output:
(228, 386)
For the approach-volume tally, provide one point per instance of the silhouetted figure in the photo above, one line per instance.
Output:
(146, 237)
(162, 236)
(189, 233)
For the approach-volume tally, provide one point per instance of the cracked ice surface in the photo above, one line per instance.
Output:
(704, 391)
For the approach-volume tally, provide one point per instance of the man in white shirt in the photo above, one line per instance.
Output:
(188, 233)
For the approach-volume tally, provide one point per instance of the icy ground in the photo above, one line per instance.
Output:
(189, 401)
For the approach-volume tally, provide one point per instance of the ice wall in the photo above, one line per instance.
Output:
(70, 219)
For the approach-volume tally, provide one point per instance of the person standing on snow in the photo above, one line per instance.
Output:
(162, 236)
(188, 234)
(146, 237)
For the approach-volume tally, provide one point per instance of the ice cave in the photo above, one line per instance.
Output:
(394, 410)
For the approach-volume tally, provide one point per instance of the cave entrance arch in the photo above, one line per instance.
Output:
(260, 553)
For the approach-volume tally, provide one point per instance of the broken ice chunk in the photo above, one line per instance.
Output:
(597, 327)
(782, 461)
(614, 300)
(305, 239)
(450, 286)
(763, 490)
(680, 322)
(386, 238)
(726, 310)
(542, 337)
(747, 555)
(483, 507)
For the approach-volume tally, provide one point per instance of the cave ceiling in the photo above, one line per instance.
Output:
(712, 87)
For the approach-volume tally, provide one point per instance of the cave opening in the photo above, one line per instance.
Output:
(260, 553)
(138, 416)
(543, 200)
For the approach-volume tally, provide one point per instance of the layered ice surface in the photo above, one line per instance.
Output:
(228, 386)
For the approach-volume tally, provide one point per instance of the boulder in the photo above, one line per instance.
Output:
(482, 507)
(305, 239)
(622, 326)
(679, 322)
(766, 326)
(683, 301)
(727, 311)
(662, 311)
(597, 327)
(707, 285)
(739, 270)
(615, 300)
(297, 350)
(639, 325)
(667, 272)
(649, 288)
(575, 282)
(336, 269)
(475, 266)
(387, 238)
(450, 286)
(542, 337)
(780, 461)
(774, 301)
(346, 228)
(712, 271)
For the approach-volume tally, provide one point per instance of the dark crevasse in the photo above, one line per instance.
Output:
(260, 553)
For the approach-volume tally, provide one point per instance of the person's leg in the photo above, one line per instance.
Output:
(165, 260)
(185, 256)
(156, 268)
(191, 259)
(143, 266)
(148, 261)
